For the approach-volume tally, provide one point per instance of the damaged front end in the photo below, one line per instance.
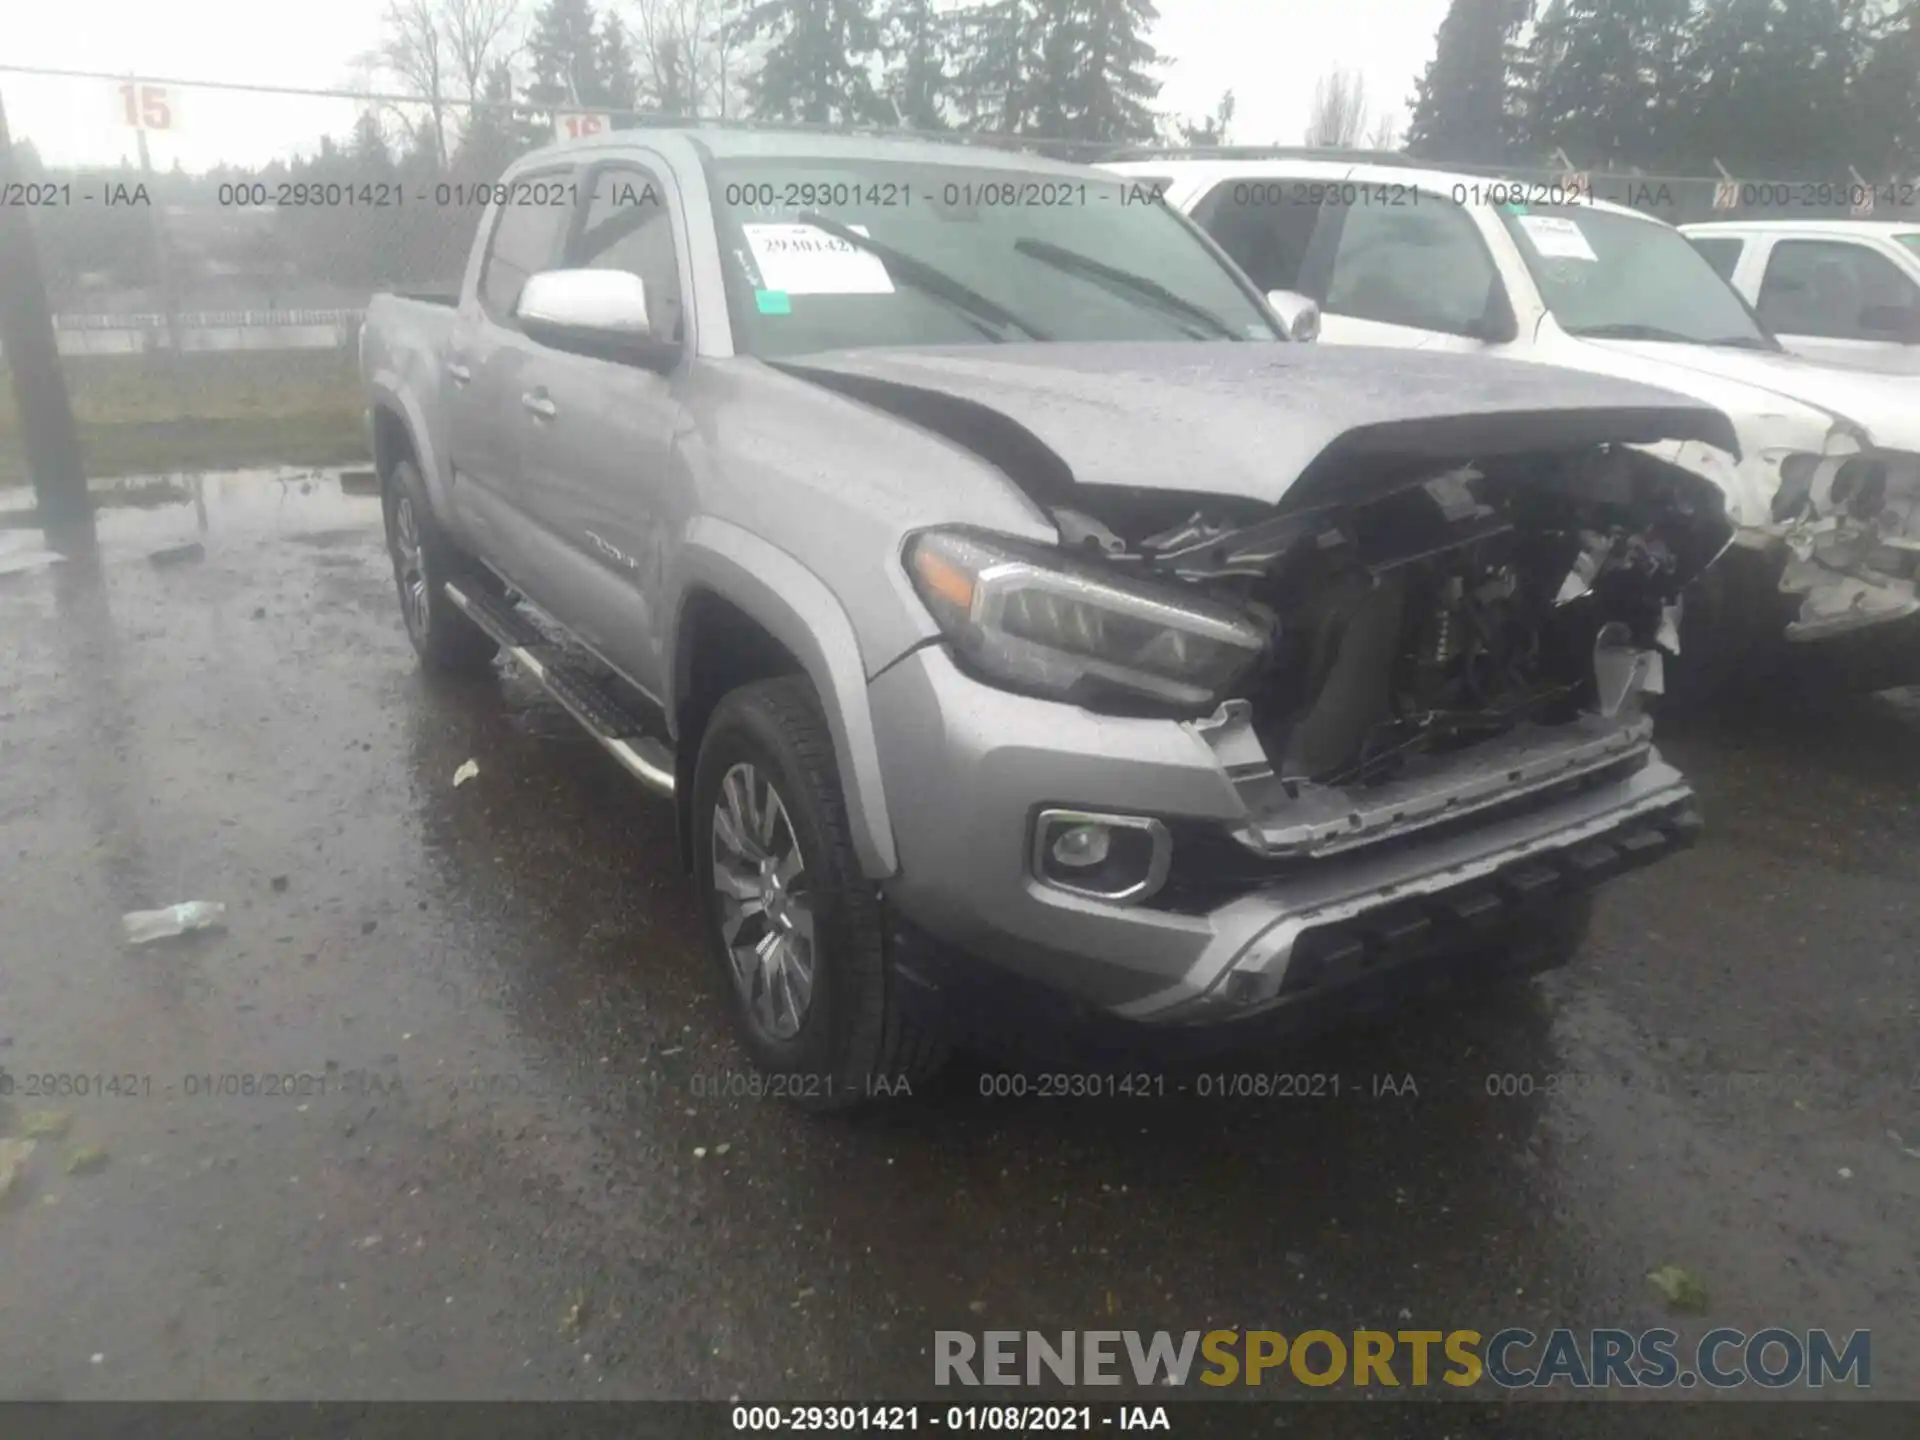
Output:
(1432, 641)
(1848, 523)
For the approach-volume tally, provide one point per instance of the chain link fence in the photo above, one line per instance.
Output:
(209, 250)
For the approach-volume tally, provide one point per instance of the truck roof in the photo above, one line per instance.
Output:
(1806, 227)
(1213, 169)
(730, 142)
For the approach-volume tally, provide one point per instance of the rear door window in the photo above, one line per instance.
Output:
(1833, 289)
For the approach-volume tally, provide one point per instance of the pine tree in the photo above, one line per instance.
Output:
(1770, 84)
(1093, 82)
(917, 40)
(1884, 120)
(816, 68)
(567, 58)
(1463, 105)
(491, 141)
(997, 63)
(1604, 75)
(616, 66)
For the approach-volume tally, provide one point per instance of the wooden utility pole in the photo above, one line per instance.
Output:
(47, 432)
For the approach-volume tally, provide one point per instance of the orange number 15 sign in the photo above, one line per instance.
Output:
(145, 106)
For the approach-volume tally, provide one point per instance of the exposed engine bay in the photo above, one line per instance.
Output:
(1449, 608)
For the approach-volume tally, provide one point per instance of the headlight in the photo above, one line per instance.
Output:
(1030, 621)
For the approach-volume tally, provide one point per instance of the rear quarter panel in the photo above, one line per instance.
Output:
(400, 361)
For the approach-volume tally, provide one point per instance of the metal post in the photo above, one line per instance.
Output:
(162, 251)
(47, 431)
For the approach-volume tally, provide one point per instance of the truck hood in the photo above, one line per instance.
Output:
(1247, 420)
(1886, 406)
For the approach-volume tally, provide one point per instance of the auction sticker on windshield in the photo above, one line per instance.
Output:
(796, 259)
(1555, 237)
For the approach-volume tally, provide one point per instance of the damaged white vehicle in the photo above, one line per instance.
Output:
(1826, 492)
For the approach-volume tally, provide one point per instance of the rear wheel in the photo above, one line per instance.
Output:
(794, 928)
(423, 561)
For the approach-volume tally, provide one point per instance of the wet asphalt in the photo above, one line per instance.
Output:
(500, 1168)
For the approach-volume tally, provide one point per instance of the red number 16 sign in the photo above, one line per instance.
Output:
(578, 124)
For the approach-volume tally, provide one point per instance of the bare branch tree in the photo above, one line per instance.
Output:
(416, 51)
(1385, 134)
(1339, 110)
(476, 32)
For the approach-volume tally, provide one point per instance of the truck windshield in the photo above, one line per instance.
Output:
(1620, 277)
(824, 255)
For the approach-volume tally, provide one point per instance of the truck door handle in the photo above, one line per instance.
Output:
(460, 373)
(537, 403)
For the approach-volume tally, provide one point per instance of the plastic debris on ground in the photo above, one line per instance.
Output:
(143, 926)
(1683, 1292)
(21, 562)
(13, 1158)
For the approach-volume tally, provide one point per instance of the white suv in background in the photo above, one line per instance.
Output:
(1845, 291)
(1826, 491)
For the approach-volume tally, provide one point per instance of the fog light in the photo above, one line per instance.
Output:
(1080, 846)
(1121, 858)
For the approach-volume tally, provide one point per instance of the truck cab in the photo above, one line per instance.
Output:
(1398, 255)
(1842, 291)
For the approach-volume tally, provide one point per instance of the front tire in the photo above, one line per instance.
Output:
(423, 560)
(794, 929)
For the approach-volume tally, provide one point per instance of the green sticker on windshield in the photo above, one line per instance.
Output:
(773, 302)
(1514, 209)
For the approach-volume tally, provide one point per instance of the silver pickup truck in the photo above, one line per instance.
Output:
(1034, 639)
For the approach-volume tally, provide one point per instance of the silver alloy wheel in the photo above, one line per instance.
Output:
(766, 903)
(410, 564)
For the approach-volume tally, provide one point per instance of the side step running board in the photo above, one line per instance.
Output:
(579, 693)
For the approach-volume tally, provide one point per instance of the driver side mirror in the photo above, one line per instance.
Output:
(1299, 314)
(600, 313)
(1896, 322)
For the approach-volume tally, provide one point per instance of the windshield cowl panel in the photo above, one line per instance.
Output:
(846, 254)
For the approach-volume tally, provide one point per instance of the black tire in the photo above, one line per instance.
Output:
(423, 559)
(852, 1043)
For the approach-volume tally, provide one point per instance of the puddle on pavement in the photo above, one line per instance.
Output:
(144, 512)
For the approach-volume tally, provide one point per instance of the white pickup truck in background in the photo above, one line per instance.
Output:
(1826, 493)
(1844, 291)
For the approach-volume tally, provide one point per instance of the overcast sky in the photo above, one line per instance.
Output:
(1268, 52)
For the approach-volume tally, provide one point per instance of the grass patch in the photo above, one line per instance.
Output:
(144, 414)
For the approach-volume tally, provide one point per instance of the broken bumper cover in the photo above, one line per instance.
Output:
(1853, 559)
(968, 768)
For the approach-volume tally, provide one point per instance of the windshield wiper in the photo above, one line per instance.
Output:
(1746, 342)
(930, 278)
(1624, 330)
(1138, 286)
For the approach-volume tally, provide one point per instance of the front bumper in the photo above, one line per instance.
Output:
(967, 767)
